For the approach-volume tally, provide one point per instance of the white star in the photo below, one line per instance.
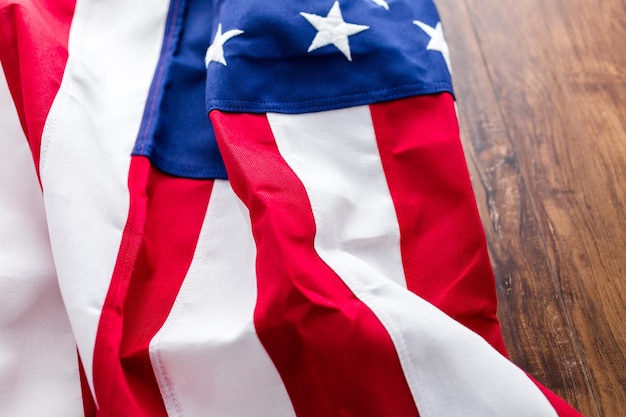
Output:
(382, 3)
(437, 40)
(215, 53)
(332, 29)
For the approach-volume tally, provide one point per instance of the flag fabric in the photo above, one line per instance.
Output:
(312, 249)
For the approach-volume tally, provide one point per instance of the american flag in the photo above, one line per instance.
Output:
(313, 249)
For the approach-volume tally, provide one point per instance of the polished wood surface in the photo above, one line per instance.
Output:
(541, 91)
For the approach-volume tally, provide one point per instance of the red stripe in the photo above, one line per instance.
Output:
(444, 251)
(33, 50)
(158, 243)
(334, 356)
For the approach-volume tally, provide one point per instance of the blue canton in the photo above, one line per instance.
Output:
(175, 132)
(303, 56)
(292, 57)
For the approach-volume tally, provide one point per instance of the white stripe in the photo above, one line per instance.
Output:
(207, 357)
(38, 363)
(450, 370)
(361, 198)
(86, 146)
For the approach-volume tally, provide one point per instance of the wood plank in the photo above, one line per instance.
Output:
(535, 322)
(556, 67)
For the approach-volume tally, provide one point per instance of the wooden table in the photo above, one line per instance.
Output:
(541, 90)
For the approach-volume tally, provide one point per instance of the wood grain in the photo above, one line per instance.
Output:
(541, 89)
